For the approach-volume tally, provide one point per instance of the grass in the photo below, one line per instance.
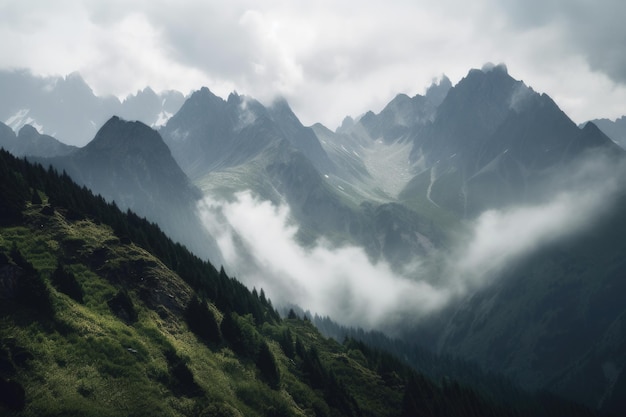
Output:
(89, 362)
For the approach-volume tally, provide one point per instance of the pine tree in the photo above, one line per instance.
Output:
(31, 290)
(36, 198)
(65, 282)
(202, 321)
(266, 363)
(287, 344)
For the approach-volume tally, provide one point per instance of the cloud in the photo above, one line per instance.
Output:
(581, 24)
(260, 247)
(328, 59)
(568, 203)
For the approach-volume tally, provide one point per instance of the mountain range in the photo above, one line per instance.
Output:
(616, 129)
(50, 104)
(103, 315)
(410, 185)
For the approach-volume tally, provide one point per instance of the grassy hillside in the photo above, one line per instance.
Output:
(101, 314)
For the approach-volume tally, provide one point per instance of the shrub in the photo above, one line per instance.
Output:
(31, 290)
(66, 282)
(202, 321)
(181, 379)
(240, 335)
(266, 363)
(12, 395)
(122, 306)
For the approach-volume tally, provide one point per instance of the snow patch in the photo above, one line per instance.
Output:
(162, 119)
(21, 118)
(433, 178)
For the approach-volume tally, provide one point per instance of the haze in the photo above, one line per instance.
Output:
(328, 59)
(258, 242)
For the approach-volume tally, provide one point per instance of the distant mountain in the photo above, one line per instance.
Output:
(616, 130)
(210, 133)
(126, 157)
(29, 142)
(67, 108)
(128, 162)
(238, 144)
(301, 138)
(484, 143)
(490, 144)
(372, 152)
(7, 137)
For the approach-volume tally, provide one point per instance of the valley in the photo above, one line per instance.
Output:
(476, 221)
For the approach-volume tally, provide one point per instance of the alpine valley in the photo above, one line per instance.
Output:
(461, 252)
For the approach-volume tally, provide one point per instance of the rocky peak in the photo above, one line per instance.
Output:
(122, 137)
(438, 91)
(27, 132)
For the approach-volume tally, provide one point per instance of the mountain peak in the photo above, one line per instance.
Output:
(490, 66)
(233, 97)
(437, 91)
(280, 106)
(27, 131)
(204, 97)
(346, 124)
(75, 84)
(121, 136)
(593, 136)
(34, 144)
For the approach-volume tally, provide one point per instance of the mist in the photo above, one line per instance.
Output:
(259, 245)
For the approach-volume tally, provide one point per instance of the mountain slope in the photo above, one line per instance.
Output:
(495, 144)
(125, 339)
(7, 137)
(29, 142)
(491, 144)
(128, 162)
(616, 130)
(237, 144)
(233, 145)
(572, 294)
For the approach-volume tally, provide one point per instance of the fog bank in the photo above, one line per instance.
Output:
(259, 245)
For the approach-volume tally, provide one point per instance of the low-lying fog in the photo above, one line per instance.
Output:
(260, 248)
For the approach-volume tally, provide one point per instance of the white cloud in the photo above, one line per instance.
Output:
(259, 246)
(329, 59)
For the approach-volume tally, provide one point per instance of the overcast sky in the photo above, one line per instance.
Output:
(329, 58)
